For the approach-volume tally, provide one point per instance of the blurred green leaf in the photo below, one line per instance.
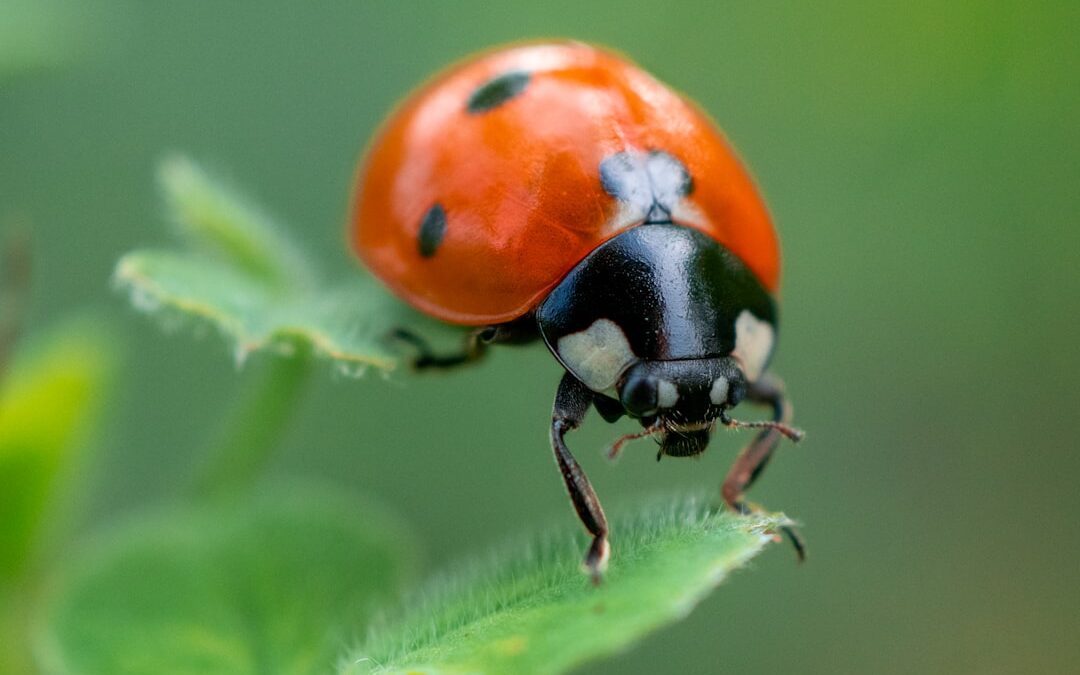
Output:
(31, 37)
(48, 403)
(265, 583)
(244, 275)
(534, 611)
(227, 228)
(38, 35)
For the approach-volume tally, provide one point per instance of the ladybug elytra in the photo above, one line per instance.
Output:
(558, 192)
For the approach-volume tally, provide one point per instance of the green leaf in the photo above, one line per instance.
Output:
(272, 582)
(534, 611)
(38, 35)
(31, 37)
(229, 229)
(243, 274)
(48, 404)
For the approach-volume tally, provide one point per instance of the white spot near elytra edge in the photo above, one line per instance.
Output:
(666, 394)
(597, 355)
(718, 393)
(753, 344)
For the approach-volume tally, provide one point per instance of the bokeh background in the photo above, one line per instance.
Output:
(922, 161)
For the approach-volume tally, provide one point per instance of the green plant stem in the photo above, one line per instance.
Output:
(256, 424)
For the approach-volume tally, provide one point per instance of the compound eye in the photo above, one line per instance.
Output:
(639, 395)
(736, 392)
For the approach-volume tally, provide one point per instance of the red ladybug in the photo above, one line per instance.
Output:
(557, 191)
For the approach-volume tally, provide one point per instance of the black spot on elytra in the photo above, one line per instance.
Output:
(497, 90)
(432, 230)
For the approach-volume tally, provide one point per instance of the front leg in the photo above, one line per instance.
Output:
(571, 405)
(752, 460)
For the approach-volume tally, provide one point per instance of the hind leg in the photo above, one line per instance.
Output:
(517, 332)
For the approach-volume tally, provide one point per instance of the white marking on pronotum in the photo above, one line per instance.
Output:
(597, 355)
(718, 393)
(666, 394)
(753, 344)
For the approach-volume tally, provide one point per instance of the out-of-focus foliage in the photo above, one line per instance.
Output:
(271, 582)
(37, 35)
(531, 610)
(243, 274)
(48, 402)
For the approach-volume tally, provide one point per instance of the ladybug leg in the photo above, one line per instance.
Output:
(769, 390)
(475, 345)
(517, 332)
(571, 405)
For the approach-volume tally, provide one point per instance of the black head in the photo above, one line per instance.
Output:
(681, 399)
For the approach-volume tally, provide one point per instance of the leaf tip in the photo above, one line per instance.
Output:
(177, 173)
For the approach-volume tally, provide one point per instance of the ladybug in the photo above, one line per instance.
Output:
(558, 192)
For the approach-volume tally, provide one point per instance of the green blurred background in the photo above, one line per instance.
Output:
(922, 161)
